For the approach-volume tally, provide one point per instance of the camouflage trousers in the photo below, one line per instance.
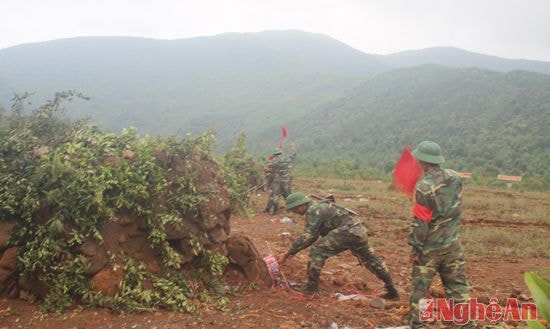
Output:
(347, 237)
(279, 190)
(450, 265)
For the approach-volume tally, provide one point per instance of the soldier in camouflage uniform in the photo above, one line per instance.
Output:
(339, 231)
(434, 235)
(287, 179)
(277, 173)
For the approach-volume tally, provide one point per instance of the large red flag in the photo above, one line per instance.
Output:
(284, 132)
(406, 173)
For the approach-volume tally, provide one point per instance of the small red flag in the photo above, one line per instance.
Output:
(406, 173)
(284, 132)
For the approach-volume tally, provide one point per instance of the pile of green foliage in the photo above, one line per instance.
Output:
(242, 173)
(54, 183)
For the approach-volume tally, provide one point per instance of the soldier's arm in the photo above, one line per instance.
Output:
(311, 232)
(422, 216)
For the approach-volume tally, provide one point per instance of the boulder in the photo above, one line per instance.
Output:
(243, 253)
(107, 281)
(5, 233)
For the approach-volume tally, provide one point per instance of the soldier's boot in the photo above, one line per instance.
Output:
(312, 285)
(391, 292)
(275, 207)
(269, 205)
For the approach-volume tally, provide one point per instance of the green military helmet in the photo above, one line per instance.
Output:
(429, 152)
(296, 199)
(276, 151)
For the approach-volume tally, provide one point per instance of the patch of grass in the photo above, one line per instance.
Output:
(498, 242)
(506, 205)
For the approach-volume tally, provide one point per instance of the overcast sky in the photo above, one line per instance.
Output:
(506, 28)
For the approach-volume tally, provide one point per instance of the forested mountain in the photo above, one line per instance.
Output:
(487, 122)
(337, 102)
(229, 81)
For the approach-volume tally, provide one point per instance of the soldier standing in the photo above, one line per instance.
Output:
(276, 172)
(287, 178)
(434, 235)
(339, 231)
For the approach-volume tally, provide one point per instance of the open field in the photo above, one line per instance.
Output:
(505, 233)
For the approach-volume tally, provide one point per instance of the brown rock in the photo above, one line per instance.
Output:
(91, 247)
(96, 256)
(147, 285)
(220, 248)
(35, 287)
(243, 253)
(13, 291)
(5, 233)
(185, 250)
(183, 231)
(153, 267)
(9, 258)
(107, 281)
(5, 276)
(217, 235)
(378, 303)
(125, 220)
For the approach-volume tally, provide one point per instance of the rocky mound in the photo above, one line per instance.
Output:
(114, 220)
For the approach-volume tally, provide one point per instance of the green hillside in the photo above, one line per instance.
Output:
(486, 122)
(228, 82)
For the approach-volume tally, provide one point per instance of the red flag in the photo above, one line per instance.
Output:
(406, 173)
(284, 132)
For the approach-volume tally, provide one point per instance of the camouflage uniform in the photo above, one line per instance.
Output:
(435, 239)
(339, 232)
(287, 179)
(277, 175)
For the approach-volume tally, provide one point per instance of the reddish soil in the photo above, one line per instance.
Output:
(279, 308)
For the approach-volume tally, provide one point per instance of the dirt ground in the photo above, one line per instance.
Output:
(494, 271)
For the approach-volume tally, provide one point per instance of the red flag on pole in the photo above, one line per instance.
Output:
(406, 173)
(284, 132)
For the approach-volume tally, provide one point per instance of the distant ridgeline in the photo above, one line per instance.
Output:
(349, 112)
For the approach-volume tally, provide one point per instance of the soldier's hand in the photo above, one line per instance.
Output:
(281, 258)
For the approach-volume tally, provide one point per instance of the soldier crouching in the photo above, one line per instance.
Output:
(332, 229)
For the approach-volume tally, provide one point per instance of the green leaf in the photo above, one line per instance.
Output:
(540, 290)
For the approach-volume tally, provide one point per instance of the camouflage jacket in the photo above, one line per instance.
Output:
(278, 168)
(321, 218)
(436, 211)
